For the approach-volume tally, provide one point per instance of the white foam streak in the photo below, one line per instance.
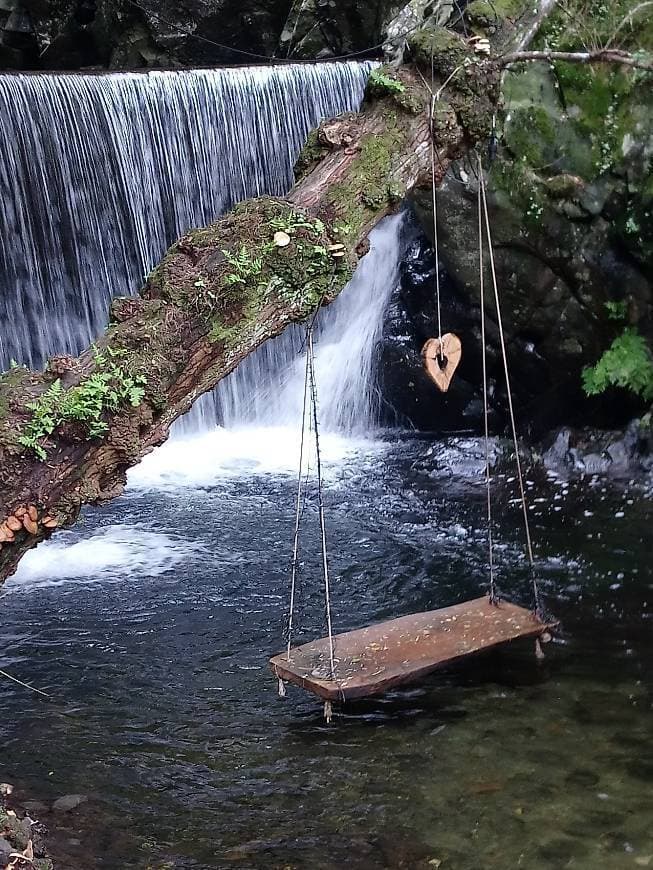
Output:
(115, 554)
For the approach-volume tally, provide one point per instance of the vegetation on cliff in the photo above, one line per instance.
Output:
(571, 200)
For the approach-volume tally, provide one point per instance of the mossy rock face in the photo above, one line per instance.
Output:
(488, 16)
(470, 83)
(571, 199)
(447, 49)
(564, 186)
(593, 124)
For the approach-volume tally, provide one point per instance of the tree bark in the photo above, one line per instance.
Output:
(69, 434)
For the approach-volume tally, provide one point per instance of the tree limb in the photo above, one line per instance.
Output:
(529, 33)
(605, 55)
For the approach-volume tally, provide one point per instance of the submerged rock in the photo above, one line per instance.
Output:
(68, 802)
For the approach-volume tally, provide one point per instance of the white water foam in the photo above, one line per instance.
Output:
(204, 460)
(114, 554)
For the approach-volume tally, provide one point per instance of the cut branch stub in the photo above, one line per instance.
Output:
(441, 359)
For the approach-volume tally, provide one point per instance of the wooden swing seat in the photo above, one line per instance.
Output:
(370, 660)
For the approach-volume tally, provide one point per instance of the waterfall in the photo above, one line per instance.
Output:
(267, 387)
(100, 173)
(260, 403)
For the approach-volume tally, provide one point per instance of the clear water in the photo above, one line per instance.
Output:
(150, 625)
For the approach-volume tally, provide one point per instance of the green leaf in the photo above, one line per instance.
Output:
(627, 363)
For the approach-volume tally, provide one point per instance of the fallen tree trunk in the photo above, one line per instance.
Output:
(69, 434)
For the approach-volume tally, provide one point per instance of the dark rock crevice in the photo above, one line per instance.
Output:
(134, 34)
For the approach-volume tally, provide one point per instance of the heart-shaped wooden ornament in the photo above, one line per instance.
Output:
(441, 359)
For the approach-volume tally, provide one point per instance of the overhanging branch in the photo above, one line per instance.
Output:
(605, 55)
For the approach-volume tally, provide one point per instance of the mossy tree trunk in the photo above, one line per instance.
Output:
(69, 434)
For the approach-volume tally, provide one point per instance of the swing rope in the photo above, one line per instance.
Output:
(434, 199)
(320, 500)
(310, 398)
(493, 589)
(298, 512)
(529, 547)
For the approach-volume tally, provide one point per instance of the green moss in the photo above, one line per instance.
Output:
(310, 154)
(369, 183)
(587, 88)
(233, 283)
(487, 16)
(563, 186)
(10, 381)
(531, 136)
(228, 335)
(385, 83)
(471, 83)
(231, 334)
(446, 129)
(410, 101)
(518, 190)
(14, 377)
(447, 49)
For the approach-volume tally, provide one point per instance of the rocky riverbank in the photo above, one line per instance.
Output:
(615, 454)
(22, 842)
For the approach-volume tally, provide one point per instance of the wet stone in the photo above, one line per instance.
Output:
(68, 802)
(36, 809)
(641, 769)
(5, 850)
(562, 850)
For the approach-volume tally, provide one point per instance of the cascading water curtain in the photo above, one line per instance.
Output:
(100, 173)
(267, 387)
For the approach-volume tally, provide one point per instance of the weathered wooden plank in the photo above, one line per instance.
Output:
(370, 660)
